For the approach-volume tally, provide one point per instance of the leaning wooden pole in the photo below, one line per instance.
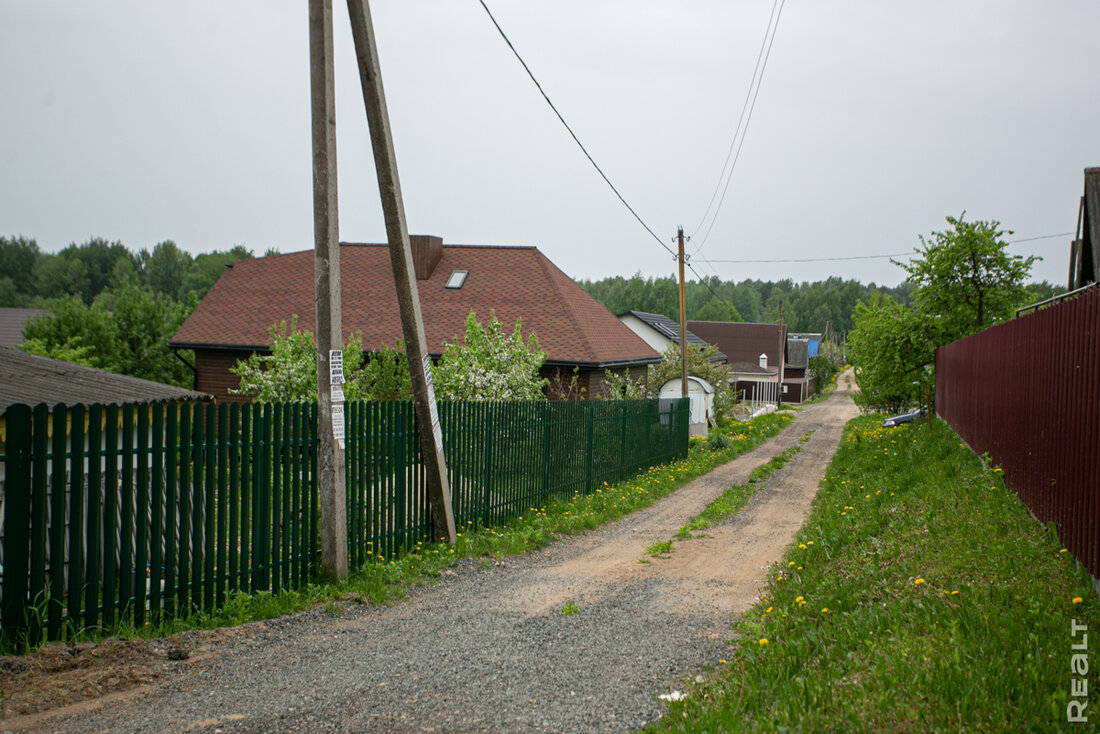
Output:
(404, 274)
(326, 271)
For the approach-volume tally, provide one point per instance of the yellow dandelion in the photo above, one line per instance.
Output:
(1077, 600)
(1064, 550)
(763, 640)
(918, 582)
(824, 610)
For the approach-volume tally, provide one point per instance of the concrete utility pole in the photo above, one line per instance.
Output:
(326, 271)
(404, 275)
(683, 318)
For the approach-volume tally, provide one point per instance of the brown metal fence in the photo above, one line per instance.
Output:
(1028, 392)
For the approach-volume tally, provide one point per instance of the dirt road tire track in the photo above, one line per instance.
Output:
(488, 649)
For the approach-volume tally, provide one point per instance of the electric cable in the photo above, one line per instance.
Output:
(737, 130)
(573, 134)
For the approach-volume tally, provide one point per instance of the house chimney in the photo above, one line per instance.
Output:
(426, 250)
(764, 361)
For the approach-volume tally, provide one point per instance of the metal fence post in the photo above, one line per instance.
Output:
(17, 512)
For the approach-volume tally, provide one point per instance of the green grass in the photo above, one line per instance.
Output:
(922, 597)
(382, 582)
(661, 547)
(734, 498)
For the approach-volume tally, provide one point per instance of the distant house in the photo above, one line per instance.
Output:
(573, 329)
(762, 353)
(659, 331)
(12, 321)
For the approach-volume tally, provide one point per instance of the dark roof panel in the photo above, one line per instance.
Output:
(30, 379)
(670, 329)
(11, 324)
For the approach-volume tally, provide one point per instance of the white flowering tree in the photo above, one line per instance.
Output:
(289, 373)
(490, 365)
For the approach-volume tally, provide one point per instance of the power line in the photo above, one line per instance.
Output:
(809, 259)
(729, 177)
(573, 134)
(737, 130)
(1043, 237)
(866, 257)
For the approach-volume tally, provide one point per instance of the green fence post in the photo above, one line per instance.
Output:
(58, 467)
(157, 525)
(95, 443)
(17, 516)
(589, 443)
(39, 517)
(110, 516)
(171, 519)
(76, 514)
(141, 518)
(222, 505)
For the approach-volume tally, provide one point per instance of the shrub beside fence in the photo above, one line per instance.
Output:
(1028, 392)
(160, 510)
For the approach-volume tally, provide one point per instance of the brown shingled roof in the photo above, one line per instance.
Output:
(742, 342)
(516, 282)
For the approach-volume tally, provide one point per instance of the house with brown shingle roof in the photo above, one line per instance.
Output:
(573, 329)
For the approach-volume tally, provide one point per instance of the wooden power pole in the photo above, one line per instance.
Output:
(326, 270)
(404, 275)
(683, 317)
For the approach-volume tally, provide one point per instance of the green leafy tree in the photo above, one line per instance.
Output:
(18, 258)
(207, 268)
(963, 281)
(289, 373)
(620, 386)
(893, 349)
(386, 374)
(126, 330)
(145, 323)
(74, 332)
(490, 365)
(699, 364)
(965, 278)
(166, 268)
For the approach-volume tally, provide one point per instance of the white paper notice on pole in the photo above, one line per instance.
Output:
(338, 422)
(428, 371)
(337, 394)
(335, 367)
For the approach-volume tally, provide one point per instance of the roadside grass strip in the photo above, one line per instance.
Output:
(387, 578)
(733, 499)
(920, 596)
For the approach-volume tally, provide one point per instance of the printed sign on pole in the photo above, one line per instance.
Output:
(336, 367)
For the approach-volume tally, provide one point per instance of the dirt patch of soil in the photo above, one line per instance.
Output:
(60, 677)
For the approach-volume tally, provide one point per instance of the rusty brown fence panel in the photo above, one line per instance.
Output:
(1028, 392)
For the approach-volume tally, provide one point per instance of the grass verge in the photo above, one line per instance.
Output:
(733, 499)
(920, 595)
(383, 581)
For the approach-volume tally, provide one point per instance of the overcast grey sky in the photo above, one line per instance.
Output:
(142, 122)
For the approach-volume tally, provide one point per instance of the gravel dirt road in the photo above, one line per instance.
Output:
(487, 649)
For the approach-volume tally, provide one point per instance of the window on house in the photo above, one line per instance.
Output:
(458, 277)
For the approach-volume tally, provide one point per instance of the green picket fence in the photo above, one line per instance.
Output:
(136, 513)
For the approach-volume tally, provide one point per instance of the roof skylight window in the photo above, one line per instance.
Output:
(457, 279)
